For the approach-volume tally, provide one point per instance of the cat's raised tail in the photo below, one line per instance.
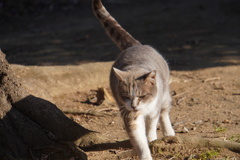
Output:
(118, 35)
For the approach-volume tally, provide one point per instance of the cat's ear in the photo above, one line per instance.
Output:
(121, 75)
(151, 77)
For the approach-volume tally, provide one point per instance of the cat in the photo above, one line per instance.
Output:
(139, 81)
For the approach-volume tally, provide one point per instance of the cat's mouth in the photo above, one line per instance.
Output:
(133, 108)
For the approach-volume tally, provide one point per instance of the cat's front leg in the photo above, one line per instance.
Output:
(137, 135)
(151, 126)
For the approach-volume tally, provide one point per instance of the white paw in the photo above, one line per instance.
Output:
(169, 132)
(148, 158)
(145, 155)
(151, 138)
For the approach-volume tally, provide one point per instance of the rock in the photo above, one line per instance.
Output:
(187, 47)
(178, 123)
(185, 130)
(194, 128)
(226, 121)
(198, 122)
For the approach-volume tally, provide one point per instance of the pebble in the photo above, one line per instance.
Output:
(113, 151)
(178, 123)
(112, 122)
(198, 122)
(185, 130)
(187, 47)
(226, 121)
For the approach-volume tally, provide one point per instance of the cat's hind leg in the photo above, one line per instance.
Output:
(165, 123)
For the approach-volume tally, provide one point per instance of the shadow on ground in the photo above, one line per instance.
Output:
(190, 35)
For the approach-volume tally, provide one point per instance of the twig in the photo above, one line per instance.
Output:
(107, 108)
(181, 99)
(180, 94)
(89, 112)
(212, 79)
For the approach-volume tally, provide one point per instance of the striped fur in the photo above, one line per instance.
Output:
(118, 35)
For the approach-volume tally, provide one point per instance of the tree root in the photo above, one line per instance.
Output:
(186, 141)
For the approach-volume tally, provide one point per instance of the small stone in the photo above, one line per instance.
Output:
(173, 93)
(178, 123)
(194, 128)
(112, 122)
(198, 122)
(185, 130)
(226, 121)
(207, 120)
(187, 47)
(113, 151)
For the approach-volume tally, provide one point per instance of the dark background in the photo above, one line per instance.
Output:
(190, 34)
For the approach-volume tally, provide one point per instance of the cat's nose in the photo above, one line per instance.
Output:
(133, 104)
(134, 107)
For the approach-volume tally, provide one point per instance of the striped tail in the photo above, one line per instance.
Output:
(118, 35)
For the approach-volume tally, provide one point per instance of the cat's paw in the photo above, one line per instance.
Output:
(149, 158)
(169, 132)
(151, 138)
(146, 156)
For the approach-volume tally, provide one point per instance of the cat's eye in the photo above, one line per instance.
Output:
(143, 96)
(125, 98)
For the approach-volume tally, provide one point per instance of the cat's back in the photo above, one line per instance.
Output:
(142, 56)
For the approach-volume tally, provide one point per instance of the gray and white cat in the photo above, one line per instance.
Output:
(139, 81)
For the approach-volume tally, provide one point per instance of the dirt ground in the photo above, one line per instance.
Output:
(67, 56)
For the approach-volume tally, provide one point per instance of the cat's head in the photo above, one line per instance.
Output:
(135, 88)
